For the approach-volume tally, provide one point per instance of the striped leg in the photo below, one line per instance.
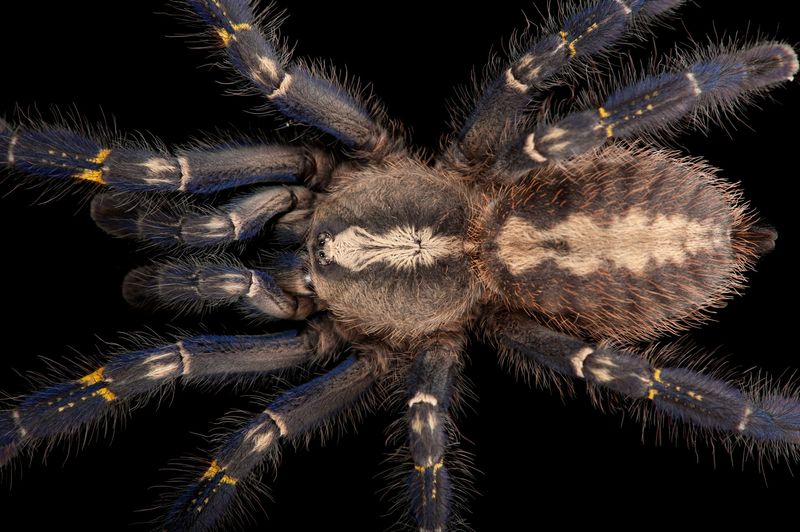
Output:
(123, 215)
(430, 388)
(586, 33)
(291, 88)
(67, 408)
(683, 394)
(291, 415)
(191, 285)
(62, 154)
(655, 103)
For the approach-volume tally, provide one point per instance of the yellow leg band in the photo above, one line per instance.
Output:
(226, 36)
(213, 470)
(95, 175)
(93, 377)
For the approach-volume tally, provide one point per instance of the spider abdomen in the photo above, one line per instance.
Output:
(623, 243)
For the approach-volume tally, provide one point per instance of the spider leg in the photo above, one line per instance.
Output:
(63, 154)
(122, 215)
(589, 32)
(67, 407)
(292, 415)
(293, 89)
(198, 285)
(683, 394)
(430, 387)
(656, 102)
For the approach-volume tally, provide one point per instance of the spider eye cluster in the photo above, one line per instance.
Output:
(322, 257)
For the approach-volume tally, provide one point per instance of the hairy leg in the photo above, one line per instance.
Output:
(293, 89)
(60, 153)
(657, 102)
(198, 285)
(430, 387)
(69, 407)
(582, 34)
(291, 415)
(682, 394)
(123, 215)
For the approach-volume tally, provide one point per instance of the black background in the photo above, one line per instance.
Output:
(61, 275)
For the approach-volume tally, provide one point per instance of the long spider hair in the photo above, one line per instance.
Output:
(341, 473)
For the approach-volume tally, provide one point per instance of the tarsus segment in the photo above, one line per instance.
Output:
(70, 406)
(684, 394)
(586, 33)
(293, 89)
(292, 414)
(655, 103)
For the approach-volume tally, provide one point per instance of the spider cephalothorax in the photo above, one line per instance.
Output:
(389, 251)
(563, 241)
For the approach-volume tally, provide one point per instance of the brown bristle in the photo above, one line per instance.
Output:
(625, 243)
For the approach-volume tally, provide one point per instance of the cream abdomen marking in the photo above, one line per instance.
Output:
(633, 240)
(403, 247)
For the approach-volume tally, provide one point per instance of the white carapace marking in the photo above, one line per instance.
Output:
(402, 247)
(634, 240)
(577, 360)
(422, 397)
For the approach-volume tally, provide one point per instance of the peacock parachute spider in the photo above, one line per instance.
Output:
(565, 113)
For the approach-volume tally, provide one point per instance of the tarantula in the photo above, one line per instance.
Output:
(559, 241)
